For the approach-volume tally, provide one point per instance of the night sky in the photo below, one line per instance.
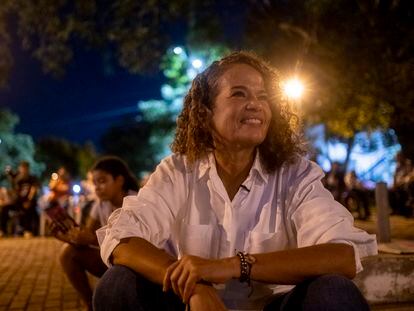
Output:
(88, 100)
(79, 107)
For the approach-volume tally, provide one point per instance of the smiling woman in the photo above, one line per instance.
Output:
(241, 114)
(194, 133)
(235, 214)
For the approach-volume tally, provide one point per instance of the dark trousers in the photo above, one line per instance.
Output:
(120, 288)
(327, 292)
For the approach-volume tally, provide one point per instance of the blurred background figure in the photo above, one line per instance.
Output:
(21, 207)
(356, 198)
(87, 198)
(59, 186)
(401, 194)
(334, 181)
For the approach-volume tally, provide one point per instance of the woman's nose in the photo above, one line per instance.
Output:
(254, 104)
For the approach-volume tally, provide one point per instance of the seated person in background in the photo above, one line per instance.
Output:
(113, 181)
(235, 213)
(357, 192)
(334, 181)
(59, 186)
(23, 200)
(87, 197)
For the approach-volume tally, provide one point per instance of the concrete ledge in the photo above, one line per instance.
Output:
(387, 279)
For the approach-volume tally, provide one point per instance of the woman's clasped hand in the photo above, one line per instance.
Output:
(184, 275)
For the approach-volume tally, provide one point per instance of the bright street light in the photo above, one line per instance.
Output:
(197, 63)
(76, 189)
(177, 50)
(293, 88)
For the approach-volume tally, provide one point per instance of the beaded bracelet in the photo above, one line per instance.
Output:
(246, 262)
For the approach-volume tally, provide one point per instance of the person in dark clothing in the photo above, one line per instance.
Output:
(24, 187)
(357, 196)
(334, 181)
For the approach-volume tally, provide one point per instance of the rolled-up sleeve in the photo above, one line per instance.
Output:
(319, 219)
(150, 214)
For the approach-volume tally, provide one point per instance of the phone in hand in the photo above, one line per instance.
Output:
(60, 218)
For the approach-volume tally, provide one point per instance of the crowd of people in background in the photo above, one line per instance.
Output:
(23, 200)
(351, 192)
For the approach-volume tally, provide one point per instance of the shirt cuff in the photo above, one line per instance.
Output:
(357, 256)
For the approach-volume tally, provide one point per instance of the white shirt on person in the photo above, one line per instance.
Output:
(101, 210)
(185, 209)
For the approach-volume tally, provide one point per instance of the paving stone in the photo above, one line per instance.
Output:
(5, 299)
(31, 277)
(52, 303)
(18, 304)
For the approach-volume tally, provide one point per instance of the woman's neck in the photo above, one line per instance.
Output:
(118, 199)
(233, 168)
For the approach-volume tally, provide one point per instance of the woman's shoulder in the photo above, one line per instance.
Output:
(179, 162)
(300, 167)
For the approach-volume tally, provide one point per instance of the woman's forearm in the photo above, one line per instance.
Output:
(295, 265)
(142, 257)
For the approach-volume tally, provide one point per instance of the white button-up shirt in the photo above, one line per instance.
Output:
(185, 209)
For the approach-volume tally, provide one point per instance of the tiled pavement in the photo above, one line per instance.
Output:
(31, 277)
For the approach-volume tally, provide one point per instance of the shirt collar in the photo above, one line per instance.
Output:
(258, 167)
(207, 162)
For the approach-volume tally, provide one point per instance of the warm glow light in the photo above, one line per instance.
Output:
(55, 176)
(293, 88)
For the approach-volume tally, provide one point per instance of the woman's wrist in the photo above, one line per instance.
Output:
(234, 266)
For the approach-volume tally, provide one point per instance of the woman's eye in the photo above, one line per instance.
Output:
(262, 97)
(238, 94)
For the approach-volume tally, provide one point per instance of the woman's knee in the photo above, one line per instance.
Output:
(120, 288)
(334, 292)
(67, 255)
(116, 289)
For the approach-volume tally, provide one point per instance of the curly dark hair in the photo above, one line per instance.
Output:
(193, 136)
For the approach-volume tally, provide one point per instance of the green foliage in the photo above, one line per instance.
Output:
(86, 157)
(132, 32)
(57, 152)
(359, 55)
(16, 147)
